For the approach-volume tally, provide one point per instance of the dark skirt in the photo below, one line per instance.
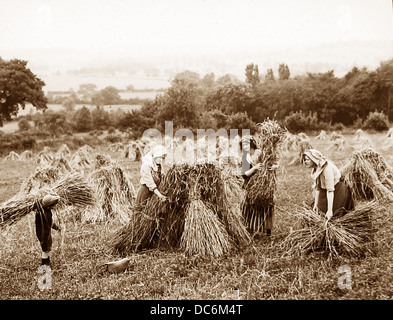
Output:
(258, 218)
(143, 195)
(43, 227)
(342, 201)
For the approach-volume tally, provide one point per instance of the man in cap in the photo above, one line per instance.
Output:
(44, 224)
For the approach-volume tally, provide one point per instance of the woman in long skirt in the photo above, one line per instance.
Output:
(258, 218)
(151, 172)
(331, 195)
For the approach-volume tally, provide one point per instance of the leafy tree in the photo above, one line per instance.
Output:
(24, 125)
(269, 75)
(130, 88)
(241, 121)
(107, 96)
(18, 86)
(252, 74)
(385, 77)
(87, 91)
(182, 101)
(299, 122)
(283, 71)
(54, 123)
(100, 118)
(376, 121)
(69, 104)
(82, 120)
(228, 79)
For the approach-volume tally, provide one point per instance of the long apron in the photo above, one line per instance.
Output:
(43, 226)
(342, 201)
(144, 193)
(257, 218)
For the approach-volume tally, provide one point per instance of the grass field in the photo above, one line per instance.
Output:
(260, 271)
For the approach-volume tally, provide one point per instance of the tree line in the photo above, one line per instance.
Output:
(194, 102)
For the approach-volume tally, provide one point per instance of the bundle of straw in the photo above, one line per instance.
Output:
(115, 193)
(350, 234)
(368, 175)
(198, 203)
(44, 157)
(46, 175)
(83, 158)
(72, 189)
(203, 234)
(11, 156)
(75, 190)
(261, 186)
(16, 208)
(26, 155)
(63, 152)
(141, 231)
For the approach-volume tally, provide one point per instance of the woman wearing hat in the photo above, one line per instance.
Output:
(259, 218)
(331, 194)
(44, 224)
(151, 172)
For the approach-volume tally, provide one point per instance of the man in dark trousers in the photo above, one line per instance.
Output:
(44, 224)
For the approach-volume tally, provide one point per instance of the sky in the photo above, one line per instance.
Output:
(76, 33)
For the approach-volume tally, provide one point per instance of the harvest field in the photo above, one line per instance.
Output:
(259, 271)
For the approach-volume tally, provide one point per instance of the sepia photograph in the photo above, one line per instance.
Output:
(197, 156)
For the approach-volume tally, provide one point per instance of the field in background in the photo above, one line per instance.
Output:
(257, 272)
(12, 126)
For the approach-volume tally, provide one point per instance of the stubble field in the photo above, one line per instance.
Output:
(260, 271)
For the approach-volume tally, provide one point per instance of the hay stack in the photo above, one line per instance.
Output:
(72, 189)
(359, 133)
(337, 144)
(63, 152)
(46, 175)
(115, 147)
(115, 194)
(196, 218)
(302, 145)
(368, 175)
(12, 156)
(26, 155)
(322, 135)
(351, 234)
(44, 157)
(83, 158)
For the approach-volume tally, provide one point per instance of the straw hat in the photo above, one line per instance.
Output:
(118, 266)
(50, 200)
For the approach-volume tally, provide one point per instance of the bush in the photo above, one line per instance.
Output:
(299, 122)
(24, 125)
(111, 130)
(241, 121)
(113, 138)
(338, 127)
(16, 142)
(377, 121)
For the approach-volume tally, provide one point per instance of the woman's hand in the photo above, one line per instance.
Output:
(160, 196)
(273, 167)
(163, 198)
(329, 214)
(256, 167)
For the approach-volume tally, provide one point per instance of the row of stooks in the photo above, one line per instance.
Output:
(203, 214)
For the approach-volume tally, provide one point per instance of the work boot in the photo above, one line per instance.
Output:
(45, 261)
(55, 226)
